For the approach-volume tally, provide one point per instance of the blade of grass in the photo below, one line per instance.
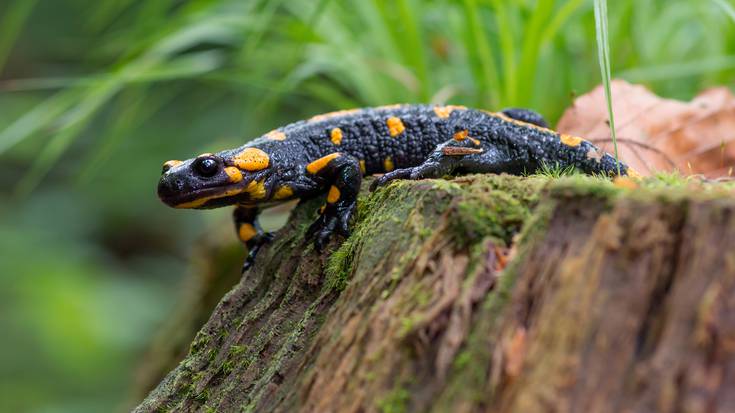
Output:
(73, 119)
(531, 49)
(136, 106)
(11, 24)
(679, 70)
(726, 7)
(603, 49)
(398, 19)
(414, 45)
(74, 122)
(105, 12)
(508, 53)
(182, 67)
(37, 118)
(317, 13)
(560, 19)
(482, 60)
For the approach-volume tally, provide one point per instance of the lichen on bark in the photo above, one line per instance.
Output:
(481, 292)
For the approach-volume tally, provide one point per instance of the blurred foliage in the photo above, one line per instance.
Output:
(95, 95)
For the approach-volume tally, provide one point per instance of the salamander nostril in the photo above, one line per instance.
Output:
(179, 184)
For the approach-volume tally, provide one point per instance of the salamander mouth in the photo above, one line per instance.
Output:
(201, 198)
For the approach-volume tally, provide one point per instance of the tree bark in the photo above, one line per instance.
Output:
(482, 293)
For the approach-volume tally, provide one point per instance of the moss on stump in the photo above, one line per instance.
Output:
(485, 292)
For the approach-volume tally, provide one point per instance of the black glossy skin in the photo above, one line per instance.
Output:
(514, 141)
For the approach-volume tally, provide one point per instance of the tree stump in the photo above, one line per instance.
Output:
(482, 293)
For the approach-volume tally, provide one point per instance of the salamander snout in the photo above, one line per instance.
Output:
(199, 182)
(170, 188)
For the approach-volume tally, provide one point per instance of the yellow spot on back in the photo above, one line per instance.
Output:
(233, 174)
(362, 166)
(256, 189)
(395, 126)
(319, 164)
(517, 122)
(336, 136)
(275, 135)
(444, 111)
(461, 135)
(570, 140)
(331, 115)
(388, 164)
(333, 195)
(246, 232)
(283, 192)
(633, 173)
(251, 159)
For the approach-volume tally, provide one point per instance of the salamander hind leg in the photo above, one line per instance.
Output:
(466, 156)
(342, 174)
(436, 165)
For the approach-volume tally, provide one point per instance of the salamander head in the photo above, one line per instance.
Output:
(215, 180)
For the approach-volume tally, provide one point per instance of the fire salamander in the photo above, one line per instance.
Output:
(330, 154)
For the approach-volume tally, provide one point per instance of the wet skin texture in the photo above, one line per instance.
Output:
(331, 153)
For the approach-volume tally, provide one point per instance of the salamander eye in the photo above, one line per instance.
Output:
(206, 167)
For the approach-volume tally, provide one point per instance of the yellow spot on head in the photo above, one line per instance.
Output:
(256, 189)
(570, 140)
(319, 164)
(171, 164)
(336, 136)
(395, 126)
(283, 192)
(461, 135)
(625, 182)
(333, 195)
(251, 159)
(388, 164)
(444, 111)
(233, 174)
(205, 154)
(275, 135)
(246, 232)
(362, 166)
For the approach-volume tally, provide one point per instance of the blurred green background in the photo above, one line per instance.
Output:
(95, 95)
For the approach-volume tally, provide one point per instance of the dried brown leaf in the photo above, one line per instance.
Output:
(658, 134)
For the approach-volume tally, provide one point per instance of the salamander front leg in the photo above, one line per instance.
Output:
(250, 233)
(342, 173)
